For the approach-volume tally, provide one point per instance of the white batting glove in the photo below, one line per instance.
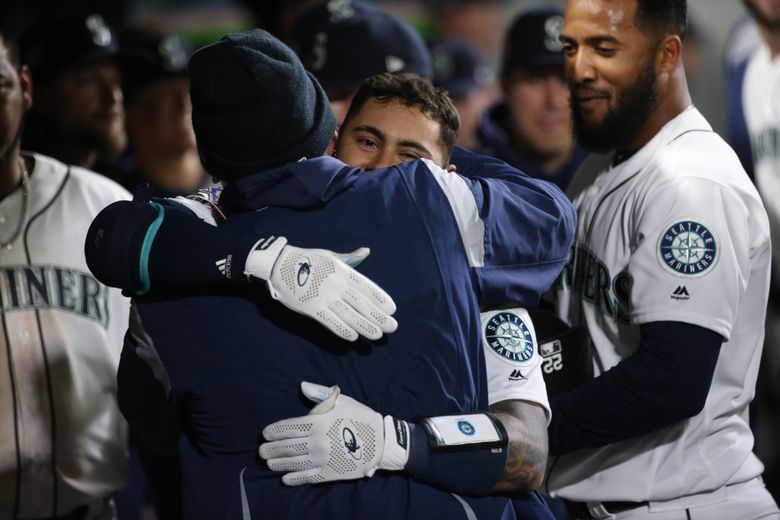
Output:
(323, 285)
(340, 439)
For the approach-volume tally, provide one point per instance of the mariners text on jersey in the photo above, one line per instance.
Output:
(54, 287)
(589, 277)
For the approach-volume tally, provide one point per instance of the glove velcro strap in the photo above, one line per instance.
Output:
(262, 257)
(465, 453)
(396, 451)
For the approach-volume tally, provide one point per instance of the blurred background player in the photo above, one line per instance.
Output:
(78, 116)
(761, 103)
(343, 42)
(159, 114)
(461, 69)
(531, 128)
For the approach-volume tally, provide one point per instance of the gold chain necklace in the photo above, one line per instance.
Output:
(7, 244)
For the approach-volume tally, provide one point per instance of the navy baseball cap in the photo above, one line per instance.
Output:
(343, 42)
(459, 67)
(53, 46)
(159, 56)
(533, 40)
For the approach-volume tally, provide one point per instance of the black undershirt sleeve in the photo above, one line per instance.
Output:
(665, 381)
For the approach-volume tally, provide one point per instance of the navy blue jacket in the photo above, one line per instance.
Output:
(230, 360)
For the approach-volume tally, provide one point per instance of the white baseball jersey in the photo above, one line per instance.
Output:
(762, 115)
(675, 233)
(61, 333)
(512, 360)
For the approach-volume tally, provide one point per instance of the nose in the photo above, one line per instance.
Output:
(111, 92)
(385, 158)
(579, 68)
(556, 92)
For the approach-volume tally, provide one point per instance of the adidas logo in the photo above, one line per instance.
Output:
(224, 265)
(681, 293)
(516, 375)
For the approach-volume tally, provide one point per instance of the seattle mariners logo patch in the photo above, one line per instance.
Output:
(508, 337)
(688, 248)
(466, 428)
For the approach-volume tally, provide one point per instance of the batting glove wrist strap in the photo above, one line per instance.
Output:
(262, 257)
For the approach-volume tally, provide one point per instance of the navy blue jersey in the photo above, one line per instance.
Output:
(231, 359)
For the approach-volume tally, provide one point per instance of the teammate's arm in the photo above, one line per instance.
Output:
(474, 454)
(129, 245)
(666, 381)
(517, 230)
(526, 427)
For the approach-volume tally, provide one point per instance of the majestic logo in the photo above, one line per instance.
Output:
(509, 338)
(466, 428)
(304, 270)
(224, 265)
(516, 375)
(688, 248)
(681, 293)
(351, 444)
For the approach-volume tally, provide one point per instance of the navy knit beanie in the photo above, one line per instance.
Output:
(254, 107)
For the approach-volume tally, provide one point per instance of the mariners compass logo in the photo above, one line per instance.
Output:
(509, 337)
(688, 248)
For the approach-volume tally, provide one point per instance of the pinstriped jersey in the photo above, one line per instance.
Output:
(61, 335)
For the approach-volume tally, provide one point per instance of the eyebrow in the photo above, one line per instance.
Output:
(593, 40)
(406, 143)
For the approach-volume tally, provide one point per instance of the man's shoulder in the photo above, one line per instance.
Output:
(81, 180)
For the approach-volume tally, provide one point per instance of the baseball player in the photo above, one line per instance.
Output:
(63, 442)
(762, 118)
(344, 42)
(670, 275)
(530, 128)
(762, 114)
(503, 335)
(78, 116)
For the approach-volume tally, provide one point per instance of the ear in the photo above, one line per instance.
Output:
(26, 83)
(669, 54)
(331, 149)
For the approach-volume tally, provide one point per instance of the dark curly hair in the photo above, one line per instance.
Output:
(663, 16)
(412, 91)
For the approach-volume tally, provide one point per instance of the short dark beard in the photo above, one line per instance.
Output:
(761, 19)
(8, 153)
(622, 124)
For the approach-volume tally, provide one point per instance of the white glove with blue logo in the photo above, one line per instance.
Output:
(340, 439)
(325, 286)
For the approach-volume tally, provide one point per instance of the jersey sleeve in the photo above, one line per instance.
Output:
(512, 360)
(691, 262)
(517, 230)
